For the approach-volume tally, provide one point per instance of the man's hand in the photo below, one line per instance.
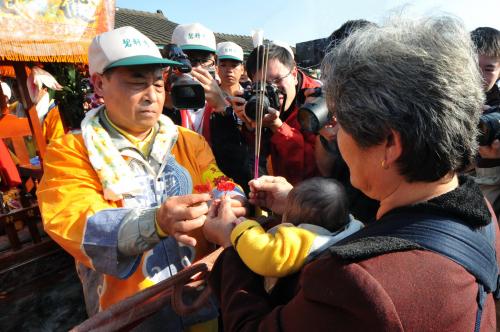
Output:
(490, 151)
(238, 105)
(272, 120)
(220, 223)
(270, 192)
(179, 215)
(213, 93)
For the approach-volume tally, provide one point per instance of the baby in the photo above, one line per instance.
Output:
(316, 216)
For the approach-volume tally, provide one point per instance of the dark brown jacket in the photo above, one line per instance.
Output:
(411, 290)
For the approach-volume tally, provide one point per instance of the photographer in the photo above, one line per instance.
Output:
(291, 148)
(487, 42)
(214, 119)
(198, 43)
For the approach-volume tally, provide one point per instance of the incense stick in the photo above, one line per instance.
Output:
(260, 104)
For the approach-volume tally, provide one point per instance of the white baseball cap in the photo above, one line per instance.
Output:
(122, 47)
(194, 37)
(229, 51)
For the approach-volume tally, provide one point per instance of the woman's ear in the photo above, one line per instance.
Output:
(393, 147)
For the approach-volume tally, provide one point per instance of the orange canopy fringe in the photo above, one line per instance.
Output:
(75, 52)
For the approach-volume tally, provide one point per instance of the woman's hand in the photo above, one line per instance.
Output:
(270, 192)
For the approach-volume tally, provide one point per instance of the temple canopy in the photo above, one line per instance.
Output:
(52, 30)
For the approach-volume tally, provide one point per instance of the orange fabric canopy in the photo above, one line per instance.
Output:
(56, 31)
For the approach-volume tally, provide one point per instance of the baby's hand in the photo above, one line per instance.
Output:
(220, 222)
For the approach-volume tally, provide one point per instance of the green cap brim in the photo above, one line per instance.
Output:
(229, 57)
(139, 60)
(197, 48)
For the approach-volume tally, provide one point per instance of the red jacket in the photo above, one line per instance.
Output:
(292, 150)
(412, 290)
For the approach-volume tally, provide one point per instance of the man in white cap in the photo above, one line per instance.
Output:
(230, 67)
(119, 195)
(198, 42)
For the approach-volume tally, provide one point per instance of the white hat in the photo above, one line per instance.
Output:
(229, 51)
(124, 46)
(6, 90)
(194, 37)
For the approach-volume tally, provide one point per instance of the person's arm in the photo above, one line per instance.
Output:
(75, 213)
(213, 93)
(272, 255)
(292, 151)
(97, 232)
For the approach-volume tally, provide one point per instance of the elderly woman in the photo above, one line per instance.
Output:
(407, 97)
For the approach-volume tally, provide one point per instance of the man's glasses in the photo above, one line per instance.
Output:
(279, 79)
(203, 62)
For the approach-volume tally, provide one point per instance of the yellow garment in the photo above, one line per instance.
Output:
(52, 126)
(70, 192)
(272, 255)
(141, 144)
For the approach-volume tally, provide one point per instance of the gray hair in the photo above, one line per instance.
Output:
(419, 78)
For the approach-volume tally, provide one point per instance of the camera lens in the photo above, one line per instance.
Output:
(314, 115)
(253, 104)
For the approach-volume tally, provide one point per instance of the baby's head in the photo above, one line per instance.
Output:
(319, 201)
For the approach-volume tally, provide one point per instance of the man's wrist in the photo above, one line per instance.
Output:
(161, 233)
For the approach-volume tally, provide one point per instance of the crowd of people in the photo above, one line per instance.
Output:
(356, 213)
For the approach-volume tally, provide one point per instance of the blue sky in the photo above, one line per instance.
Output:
(295, 21)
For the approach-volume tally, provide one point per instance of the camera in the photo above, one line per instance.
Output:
(489, 126)
(270, 98)
(314, 115)
(186, 92)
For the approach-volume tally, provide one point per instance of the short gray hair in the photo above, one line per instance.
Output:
(419, 78)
